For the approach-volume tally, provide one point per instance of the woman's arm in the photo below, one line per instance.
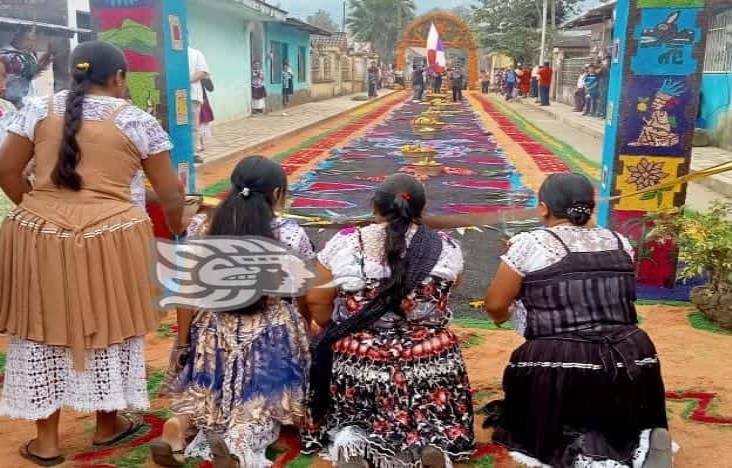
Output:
(159, 171)
(15, 153)
(479, 219)
(320, 300)
(501, 293)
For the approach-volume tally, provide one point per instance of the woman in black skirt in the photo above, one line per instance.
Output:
(585, 389)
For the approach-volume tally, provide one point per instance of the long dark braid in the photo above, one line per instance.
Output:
(92, 63)
(400, 200)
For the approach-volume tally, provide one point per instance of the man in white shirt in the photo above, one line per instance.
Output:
(579, 94)
(199, 71)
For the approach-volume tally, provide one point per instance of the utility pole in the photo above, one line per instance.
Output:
(344, 17)
(544, 13)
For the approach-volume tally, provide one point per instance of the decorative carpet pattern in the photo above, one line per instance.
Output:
(495, 161)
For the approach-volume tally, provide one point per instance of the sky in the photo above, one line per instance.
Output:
(303, 8)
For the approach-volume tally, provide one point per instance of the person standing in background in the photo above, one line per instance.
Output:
(373, 79)
(603, 84)
(525, 81)
(259, 90)
(418, 82)
(510, 80)
(545, 81)
(485, 82)
(199, 71)
(22, 65)
(7, 109)
(591, 91)
(456, 81)
(579, 94)
(535, 82)
(288, 88)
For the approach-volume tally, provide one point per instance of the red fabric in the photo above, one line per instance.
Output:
(160, 229)
(525, 82)
(545, 76)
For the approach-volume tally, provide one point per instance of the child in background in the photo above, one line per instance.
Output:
(592, 89)
(238, 350)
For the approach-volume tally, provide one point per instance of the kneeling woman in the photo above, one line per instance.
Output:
(585, 389)
(388, 383)
(246, 369)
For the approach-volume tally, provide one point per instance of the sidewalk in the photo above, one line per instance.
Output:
(702, 157)
(242, 136)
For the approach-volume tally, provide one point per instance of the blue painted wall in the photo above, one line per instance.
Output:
(294, 39)
(176, 77)
(716, 105)
(224, 41)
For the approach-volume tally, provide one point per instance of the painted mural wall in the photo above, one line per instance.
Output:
(151, 34)
(652, 111)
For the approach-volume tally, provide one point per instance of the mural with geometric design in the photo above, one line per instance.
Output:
(653, 102)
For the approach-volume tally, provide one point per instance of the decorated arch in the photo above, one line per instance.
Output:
(454, 32)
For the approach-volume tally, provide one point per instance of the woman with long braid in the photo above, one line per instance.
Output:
(388, 385)
(76, 296)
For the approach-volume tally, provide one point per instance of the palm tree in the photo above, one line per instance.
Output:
(380, 22)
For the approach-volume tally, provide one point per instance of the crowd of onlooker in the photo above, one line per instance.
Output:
(523, 81)
(527, 81)
(592, 88)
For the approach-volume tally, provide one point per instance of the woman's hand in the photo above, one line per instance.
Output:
(164, 180)
(501, 293)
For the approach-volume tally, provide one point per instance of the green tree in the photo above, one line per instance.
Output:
(380, 22)
(513, 27)
(323, 20)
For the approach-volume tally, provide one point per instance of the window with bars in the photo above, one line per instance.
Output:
(276, 68)
(327, 69)
(315, 68)
(718, 57)
(345, 68)
(301, 65)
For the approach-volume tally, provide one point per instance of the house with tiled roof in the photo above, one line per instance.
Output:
(338, 66)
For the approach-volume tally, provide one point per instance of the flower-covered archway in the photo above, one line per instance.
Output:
(454, 32)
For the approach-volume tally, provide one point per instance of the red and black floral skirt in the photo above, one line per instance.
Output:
(393, 392)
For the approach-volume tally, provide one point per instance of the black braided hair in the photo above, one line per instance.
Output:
(249, 208)
(250, 214)
(400, 200)
(92, 63)
(569, 196)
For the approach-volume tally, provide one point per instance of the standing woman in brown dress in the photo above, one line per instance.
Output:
(76, 296)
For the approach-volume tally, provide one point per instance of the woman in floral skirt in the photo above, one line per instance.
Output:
(388, 383)
(245, 372)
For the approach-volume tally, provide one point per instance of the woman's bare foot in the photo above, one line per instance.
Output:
(112, 427)
(169, 449)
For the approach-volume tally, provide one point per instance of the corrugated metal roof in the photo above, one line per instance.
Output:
(56, 28)
(592, 16)
(337, 39)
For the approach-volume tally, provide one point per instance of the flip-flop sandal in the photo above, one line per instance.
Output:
(136, 424)
(164, 455)
(220, 454)
(38, 460)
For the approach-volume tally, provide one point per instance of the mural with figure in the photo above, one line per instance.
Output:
(658, 120)
(151, 34)
(132, 25)
(666, 39)
(654, 97)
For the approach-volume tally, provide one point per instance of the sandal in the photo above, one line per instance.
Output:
(220, 454)
(37, 459)
(135, 425)
(164, 455)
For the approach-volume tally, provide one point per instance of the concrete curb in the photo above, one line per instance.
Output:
(243, 151)
(594, 133)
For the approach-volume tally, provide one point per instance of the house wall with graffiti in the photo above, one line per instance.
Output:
(653, 108)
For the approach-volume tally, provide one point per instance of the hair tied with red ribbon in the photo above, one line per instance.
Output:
(405, 196)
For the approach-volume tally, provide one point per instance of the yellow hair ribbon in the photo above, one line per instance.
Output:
(83, 66)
